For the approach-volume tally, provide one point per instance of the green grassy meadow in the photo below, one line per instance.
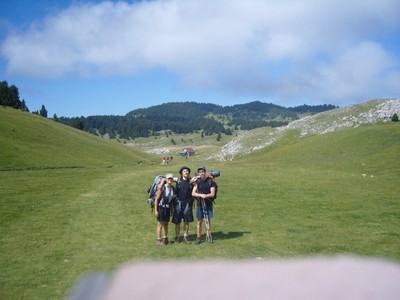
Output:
(73, 203)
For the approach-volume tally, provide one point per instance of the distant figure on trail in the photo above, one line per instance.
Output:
(165, 160)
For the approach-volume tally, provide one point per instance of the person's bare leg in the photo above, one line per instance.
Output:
(186, 233)
(177, 232)
(165, 236)
(158, 233)
(198, 232)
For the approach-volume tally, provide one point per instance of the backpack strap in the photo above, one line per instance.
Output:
(210, 180)
(164, 198)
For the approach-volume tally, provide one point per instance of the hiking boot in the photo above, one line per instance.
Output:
(185, 239)
(160, 242)
(198, 241)
(165, 241)
(177, 241)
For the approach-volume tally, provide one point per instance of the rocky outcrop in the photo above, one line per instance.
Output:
(346, 117)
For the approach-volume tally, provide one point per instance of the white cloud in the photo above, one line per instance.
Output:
(360, 71)
(238, 46)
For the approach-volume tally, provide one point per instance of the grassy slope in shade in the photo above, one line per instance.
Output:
(322, 195)
(31, 141)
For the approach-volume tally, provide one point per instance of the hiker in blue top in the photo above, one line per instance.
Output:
(204, 190)
(183, 204)
(162, 209)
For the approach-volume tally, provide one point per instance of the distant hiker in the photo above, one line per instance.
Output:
(183, 204)
(162, 209)
(203, 189)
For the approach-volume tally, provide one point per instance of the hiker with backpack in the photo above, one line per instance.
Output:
(183, 204)
(162, 209)
(204, 191)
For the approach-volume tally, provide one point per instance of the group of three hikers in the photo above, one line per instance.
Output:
(179, 200)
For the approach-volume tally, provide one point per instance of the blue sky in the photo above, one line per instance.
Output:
(87, 57)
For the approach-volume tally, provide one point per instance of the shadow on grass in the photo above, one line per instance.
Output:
(219, 235)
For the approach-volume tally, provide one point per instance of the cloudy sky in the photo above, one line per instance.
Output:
(88, 57)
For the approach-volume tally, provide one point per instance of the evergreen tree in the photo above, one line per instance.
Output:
(9, 96)
(219, 136)
(78, 124)
(23, 106)
(43, 111)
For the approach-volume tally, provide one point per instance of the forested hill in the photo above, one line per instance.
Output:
(186, 117)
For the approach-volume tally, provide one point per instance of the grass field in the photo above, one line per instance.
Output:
(72, 203)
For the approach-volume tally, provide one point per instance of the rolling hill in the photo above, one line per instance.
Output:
(73, 203)
(28, 141)
(370, 112)
(23, 133)
(189, 117)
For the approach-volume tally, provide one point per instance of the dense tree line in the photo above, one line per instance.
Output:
(313, 109)
(177, 117)
(187, 117)
(9, 96)
(146, 122)
(257, 114)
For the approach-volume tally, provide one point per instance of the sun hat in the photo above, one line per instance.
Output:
(169, 176)
(201, 168)
(184, 168)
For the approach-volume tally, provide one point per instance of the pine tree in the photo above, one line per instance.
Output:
(43, 112)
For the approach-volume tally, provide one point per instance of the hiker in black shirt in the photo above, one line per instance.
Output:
(183, 204)
(203, 189)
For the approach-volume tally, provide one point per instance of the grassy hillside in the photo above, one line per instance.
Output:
(321, 195)
(30, 141)
(373, 149)
(370, 112)
(340, 189)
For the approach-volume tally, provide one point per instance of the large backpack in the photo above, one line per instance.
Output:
(211, 175)
(152, 191)
(211, 178)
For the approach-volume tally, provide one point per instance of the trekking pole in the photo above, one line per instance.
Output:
(206, 221)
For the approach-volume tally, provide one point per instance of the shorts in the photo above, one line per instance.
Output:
(185, 213)
(199, 212)
(164, 213)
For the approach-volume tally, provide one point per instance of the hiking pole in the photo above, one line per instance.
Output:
(206, 221)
